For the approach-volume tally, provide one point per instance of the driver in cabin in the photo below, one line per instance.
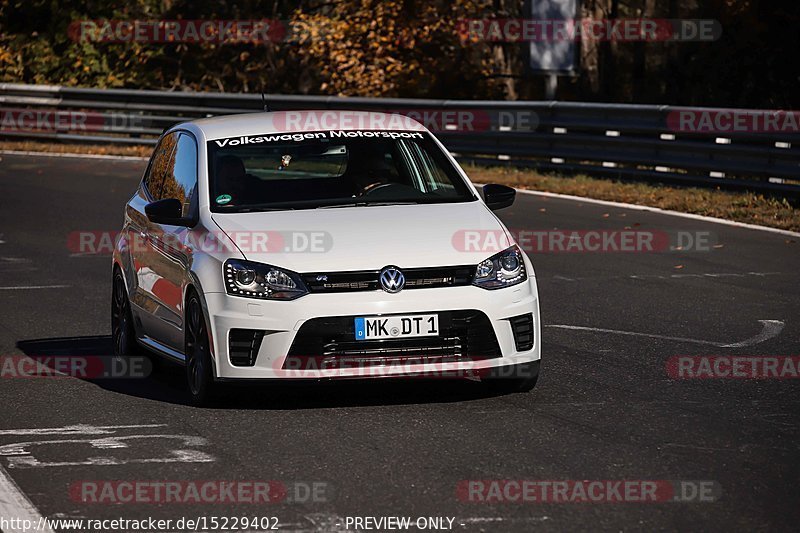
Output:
(369, 170)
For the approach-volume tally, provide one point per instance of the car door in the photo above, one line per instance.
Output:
(145, 304)
(171, 245)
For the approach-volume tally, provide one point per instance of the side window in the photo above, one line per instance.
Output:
(161, 165)
(180, 180)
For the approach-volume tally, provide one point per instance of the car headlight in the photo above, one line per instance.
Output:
(501, 270)
(264, 282)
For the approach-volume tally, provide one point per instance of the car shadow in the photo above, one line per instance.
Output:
(158, 380)
(164, 381)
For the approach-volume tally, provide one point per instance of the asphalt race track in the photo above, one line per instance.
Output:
(605, 407)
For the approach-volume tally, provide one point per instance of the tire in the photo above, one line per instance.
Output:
(123, 334)
(199, 370)
(517, 378)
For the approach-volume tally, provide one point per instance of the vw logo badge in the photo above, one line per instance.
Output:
(392, 280)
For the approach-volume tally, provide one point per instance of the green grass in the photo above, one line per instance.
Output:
(739, 206)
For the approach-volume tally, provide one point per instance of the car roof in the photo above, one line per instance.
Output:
(303, 121)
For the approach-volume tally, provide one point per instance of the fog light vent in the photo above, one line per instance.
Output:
(522, 327)
(243, 346)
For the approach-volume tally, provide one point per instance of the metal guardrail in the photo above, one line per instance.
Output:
(642, 142)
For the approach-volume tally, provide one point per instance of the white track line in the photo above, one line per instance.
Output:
(17, 509)
(769, 329)
(78, 429)
(662, 212)
(75, 156)
(635, 334)
(26, 287)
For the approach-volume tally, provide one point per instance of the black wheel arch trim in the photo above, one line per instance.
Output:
(116, 265)
(194, 284)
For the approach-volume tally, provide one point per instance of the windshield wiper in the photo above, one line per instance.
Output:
(334, 206)
(253, 208)
(307, 204)
(406, 202)
(366, 204)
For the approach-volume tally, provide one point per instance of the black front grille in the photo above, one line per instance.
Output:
(243, 346)
(522, 327)
(465, 335)
(367, 280)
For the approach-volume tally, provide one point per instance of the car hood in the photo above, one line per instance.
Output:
(365, 238)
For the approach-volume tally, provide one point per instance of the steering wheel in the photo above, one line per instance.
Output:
(372, 187)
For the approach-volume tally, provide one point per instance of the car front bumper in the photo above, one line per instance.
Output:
(281, 322)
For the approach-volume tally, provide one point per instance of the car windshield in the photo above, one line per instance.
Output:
(330, 169)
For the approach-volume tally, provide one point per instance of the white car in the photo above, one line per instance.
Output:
(315, 245)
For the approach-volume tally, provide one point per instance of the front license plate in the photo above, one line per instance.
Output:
(396, 327)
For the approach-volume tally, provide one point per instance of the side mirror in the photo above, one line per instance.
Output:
(498, 196)
(166, 211)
